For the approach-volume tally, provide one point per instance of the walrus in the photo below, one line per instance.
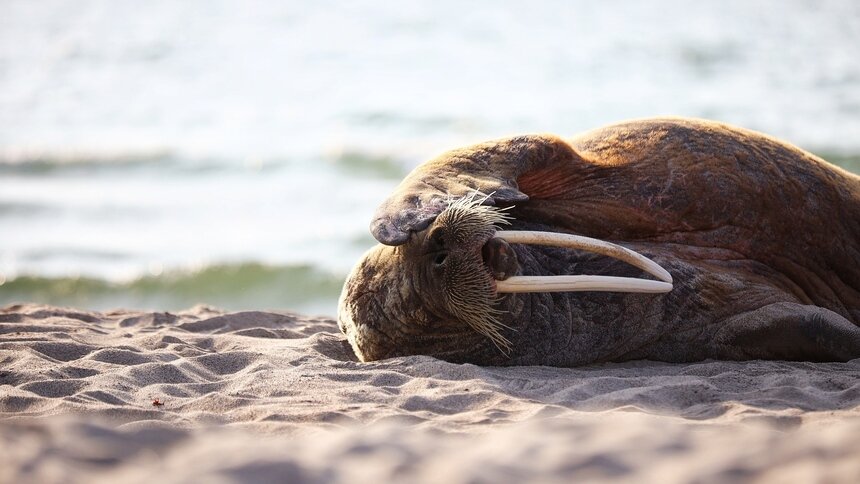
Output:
(761, 241)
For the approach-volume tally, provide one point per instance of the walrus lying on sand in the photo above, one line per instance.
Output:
(761, 241)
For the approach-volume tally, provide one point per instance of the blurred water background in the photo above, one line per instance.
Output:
(161, 154)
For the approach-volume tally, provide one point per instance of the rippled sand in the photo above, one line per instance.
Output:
(261, 397)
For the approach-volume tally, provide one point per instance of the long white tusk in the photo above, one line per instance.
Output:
(580, 283)
(583, 283)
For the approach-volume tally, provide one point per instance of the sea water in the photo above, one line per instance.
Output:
(161, 154)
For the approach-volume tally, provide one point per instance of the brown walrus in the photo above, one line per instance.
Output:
(761, 238)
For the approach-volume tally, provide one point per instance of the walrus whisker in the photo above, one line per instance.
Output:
(471, 299)
(522, 284)
(469, 212)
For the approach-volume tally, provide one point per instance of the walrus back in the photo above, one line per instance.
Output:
(703, 183)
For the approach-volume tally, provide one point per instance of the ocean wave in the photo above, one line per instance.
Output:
(230, 286)
(46, 161)
(351, 161)
(24, 208)
(362, 163)
(159, 162)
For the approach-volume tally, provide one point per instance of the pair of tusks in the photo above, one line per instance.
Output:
(583, 282)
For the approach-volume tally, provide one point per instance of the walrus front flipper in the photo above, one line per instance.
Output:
(491, 168)
(790, 331)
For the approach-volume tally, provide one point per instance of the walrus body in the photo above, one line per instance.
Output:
(762, 240)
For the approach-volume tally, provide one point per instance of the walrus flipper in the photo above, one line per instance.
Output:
(790, 331)
(491, 168)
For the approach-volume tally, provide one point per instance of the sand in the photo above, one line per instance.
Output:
(277, 397)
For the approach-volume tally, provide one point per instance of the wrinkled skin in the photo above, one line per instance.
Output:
(762, 240)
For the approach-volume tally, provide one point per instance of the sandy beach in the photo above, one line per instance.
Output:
(219, 163)
(278, 397)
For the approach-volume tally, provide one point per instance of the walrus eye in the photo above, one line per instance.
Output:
(440, 258)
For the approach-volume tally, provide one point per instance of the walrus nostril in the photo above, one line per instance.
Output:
(487, 253)
(500, 258)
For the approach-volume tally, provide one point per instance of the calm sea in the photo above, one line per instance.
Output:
(161, 154)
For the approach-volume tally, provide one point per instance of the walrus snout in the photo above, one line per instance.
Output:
(500, 258)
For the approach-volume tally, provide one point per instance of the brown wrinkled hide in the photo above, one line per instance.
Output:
(714, 187)
(762, 239)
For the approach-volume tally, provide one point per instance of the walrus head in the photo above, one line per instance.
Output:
(414, 298)
(448, 281)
